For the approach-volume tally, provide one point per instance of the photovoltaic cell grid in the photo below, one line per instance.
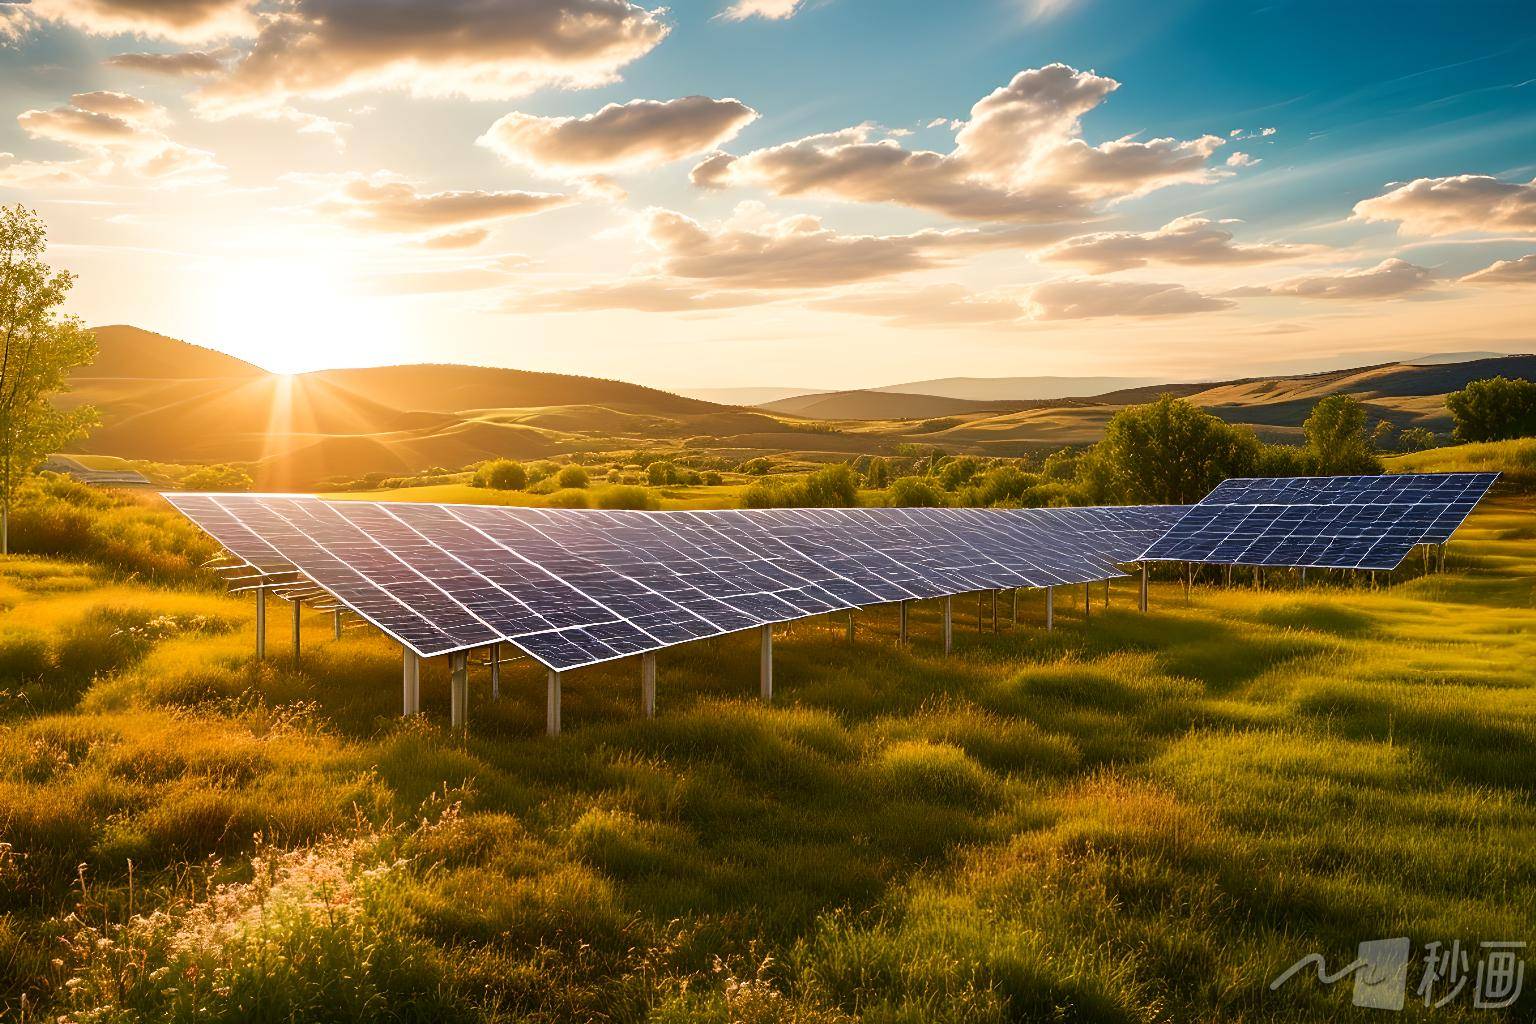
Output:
(1341, 522)
(576, 587)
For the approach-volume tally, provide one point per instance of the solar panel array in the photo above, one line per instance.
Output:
(1339, 522)
(575, 587)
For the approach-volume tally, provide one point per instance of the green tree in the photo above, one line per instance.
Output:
(1170, 452)
(661, 473)
(38, 347)
(501, 475)
(572, 476)
(1337, 439)
(877, 473)
(1495, 409)
(1416, 439)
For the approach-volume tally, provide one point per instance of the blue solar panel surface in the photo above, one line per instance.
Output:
(1342, 522)
(576, 587)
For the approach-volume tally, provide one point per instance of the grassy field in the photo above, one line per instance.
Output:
(1515, 459)
(1139, 818)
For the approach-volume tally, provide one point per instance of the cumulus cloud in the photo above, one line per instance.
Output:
(1079, 298)
(1464, 202)
(185, 64)
(935, 305)
(117, 132)
(383, 202)
(621, 136)
(480, 49)
(646, 295)
(1518, 271)
(466, 238)
(1019, 158)
(753, 250)
(1187, 241)
(773, 10)
(185, 21)
(1389, 278)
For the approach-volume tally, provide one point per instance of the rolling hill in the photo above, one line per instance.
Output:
(165, 400)
(172, 401)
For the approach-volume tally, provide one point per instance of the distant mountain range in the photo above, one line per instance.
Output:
(166, 400)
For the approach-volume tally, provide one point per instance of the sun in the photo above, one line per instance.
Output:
(298, 313)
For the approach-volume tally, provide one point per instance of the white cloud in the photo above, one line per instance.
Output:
(186, 21)
(1387, 279)
(772, 10)
(480, 49)
(1464, 202)
(620, 136)
(1517, 271)
(1083, 298)
(118, 134)
(1018, 158)
(1188, 241)
(384, 202)
(184, 64)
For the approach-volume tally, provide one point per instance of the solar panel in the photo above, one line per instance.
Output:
(1343, 522)
(576, 587)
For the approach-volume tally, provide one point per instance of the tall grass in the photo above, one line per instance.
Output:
(1136, 818)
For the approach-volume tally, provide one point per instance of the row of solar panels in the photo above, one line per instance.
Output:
(1331, 522)
(577, 587)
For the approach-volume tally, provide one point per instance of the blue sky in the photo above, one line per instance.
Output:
(291, 206)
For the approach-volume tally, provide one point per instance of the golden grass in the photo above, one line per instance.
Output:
(1140, 818)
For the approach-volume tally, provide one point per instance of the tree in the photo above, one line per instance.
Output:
(38, 347)
(1337, 439)
(661, 473)
(878, 473)
(572, 476)
(501, 475)
(1416, 439)
(1170, 452)
(1495, 409)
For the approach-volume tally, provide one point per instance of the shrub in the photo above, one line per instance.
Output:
(914, 492)
(501, 475)
(774, 492)
(572, 476)
(1416, 439)
(623, 496)
(761, 466)
(939, 773)
(571, 497)
(661, 473)
(217, 478)
(712, 479)
(832, 487)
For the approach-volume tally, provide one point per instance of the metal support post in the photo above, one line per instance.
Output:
(411, 664)
(648, 684)
(1143, 586)
(458, 690)
(902, 630)
(298, 610)
(1050, 608)
(949, 624)
(261, 622)
(765, 663)
(552, 705)
(496, 671)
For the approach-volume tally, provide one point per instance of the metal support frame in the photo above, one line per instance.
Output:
(1143, 604)
(336, 623)
(648, 684)
(298, 611)
(949, 624)
(901, 632)
(1106, 593)
(994, 612)
(411, 665)
(552, 705)
(1087, 602)
(261, 622)
(496, 671)
(1015, 606)
(850, 625)
(981, 613)
(765, 662)
(458, 690)
(1050, 608)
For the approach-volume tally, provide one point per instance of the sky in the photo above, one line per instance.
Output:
(816, 193)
